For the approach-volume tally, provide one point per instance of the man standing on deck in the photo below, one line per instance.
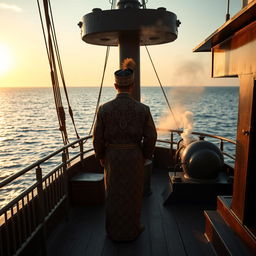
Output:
(124, 137)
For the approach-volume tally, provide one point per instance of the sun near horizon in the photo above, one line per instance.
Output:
(23, 58)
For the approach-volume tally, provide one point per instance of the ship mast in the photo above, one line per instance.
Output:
(129, 27)
(129, 47)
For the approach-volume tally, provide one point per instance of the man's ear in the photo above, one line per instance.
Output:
(116, 86)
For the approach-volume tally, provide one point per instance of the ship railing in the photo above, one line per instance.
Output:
(175, 137)
(24, 217)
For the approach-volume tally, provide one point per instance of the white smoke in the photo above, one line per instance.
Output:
(189, 76)
(190, 73)
(188, 125)
(171, 120)
(183, 120)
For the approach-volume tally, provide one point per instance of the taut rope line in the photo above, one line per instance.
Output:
(52, 50)
(159, 81)
(61, 70)
(100, 91)
(113, 3)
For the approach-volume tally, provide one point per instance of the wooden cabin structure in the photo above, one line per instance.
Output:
(233, 48)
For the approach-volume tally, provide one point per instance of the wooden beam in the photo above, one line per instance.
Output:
(236, 55)
(240, 20)
(245, 155)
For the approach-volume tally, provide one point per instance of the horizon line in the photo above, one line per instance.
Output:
(144, 86)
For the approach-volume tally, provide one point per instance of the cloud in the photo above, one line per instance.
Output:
(11, 7)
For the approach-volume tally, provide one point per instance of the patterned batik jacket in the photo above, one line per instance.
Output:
(124, 121)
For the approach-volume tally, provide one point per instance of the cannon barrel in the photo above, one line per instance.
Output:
(200, 160)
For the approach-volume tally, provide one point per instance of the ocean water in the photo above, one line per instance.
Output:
(29, 127)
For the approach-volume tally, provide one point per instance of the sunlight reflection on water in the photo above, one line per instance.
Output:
(29, 126)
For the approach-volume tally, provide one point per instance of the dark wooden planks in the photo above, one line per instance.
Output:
(65, 238)
(168, 230)
(190, 221)
(110, 248)
(174, 243)
(98, 234)
(141, 246)
(76, 236)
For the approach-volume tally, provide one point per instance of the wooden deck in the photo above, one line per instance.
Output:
(169, 230)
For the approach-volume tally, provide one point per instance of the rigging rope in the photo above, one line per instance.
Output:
(101, 85)
(144, 4)
(53, 72)
(52, 50)
(159, 81)
(113, 5)
(61, 71)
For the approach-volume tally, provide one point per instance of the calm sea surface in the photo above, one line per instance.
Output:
(29, 126)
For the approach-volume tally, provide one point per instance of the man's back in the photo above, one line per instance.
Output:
(124, 136)
(125, 121)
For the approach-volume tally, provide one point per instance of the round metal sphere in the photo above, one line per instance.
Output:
(202, 160)
(150, 25)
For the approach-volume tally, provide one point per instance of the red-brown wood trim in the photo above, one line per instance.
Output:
(243, 167)
(212, 236)
(236, 54)
(240, 20)
(233, 221)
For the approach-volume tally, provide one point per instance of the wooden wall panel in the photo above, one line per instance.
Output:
(236, 55)
(245, 158)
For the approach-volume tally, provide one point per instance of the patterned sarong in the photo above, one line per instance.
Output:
(124, 190)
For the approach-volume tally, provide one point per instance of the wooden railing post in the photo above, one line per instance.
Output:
(201, 137)
(7, 231)
(64, 161)
(41, 207)
(221, 145)
(1, 243)
(81, 151)
(171, 147)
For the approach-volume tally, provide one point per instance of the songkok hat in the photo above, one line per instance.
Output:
(125, 77)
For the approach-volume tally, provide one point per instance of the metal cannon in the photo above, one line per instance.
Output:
(200, 160)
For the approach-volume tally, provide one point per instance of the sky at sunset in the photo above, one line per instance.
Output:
(23, 59)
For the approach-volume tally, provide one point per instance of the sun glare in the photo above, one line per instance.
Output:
(5, 59)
